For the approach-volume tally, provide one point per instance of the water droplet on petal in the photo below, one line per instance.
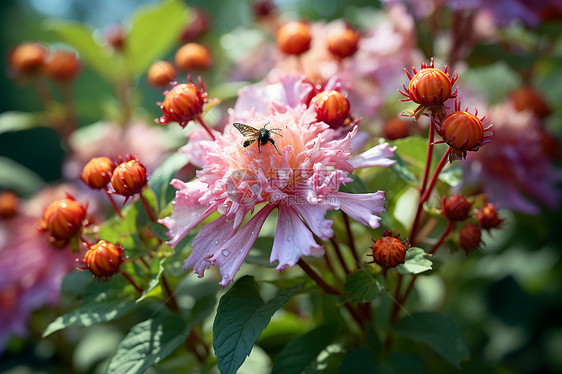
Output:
(216, 242)
(225, 252)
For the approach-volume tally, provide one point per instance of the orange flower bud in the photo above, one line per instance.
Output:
(455, 208)
(527, 98)
(129, 178)
(470, 237)
(395, 128)
(331, 107)
(462, 130)
(430, 86)
(293, 38)
(488, 216)
(343, 43)
(183, 103)
(389, 251)
(63, 218)
(8, 204)
(97, 172)
(103, 259)
(62, 66)
(28, 58)
(161, 73)
(192, 56)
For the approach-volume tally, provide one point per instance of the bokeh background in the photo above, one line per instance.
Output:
(507, 300)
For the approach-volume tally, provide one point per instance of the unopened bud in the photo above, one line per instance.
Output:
(343, 43)
(97, 172)
(28, 58)
(62, 66)
(193, 56)
(389, 251)
(462, 130)
(488, 216)
(293, 38)
(129, 178)
(63, 218)
(331, 107)
(455, 208)
(183, 103)
(161, 73)
(103, 259)
(8, 204)
(395, 128)
(470, 237)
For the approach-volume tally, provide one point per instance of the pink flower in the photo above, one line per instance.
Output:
(302, 183)
(31, 270)
(516, 167)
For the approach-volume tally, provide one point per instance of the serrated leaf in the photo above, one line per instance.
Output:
(16, 177)
(153, 31)
(148, 343)
(416, 262)
(94, 55)
(18, 121)
(437, 331)
(93, 311)
(241, 317)
(360, 287)
(299, 353)
(160, 179)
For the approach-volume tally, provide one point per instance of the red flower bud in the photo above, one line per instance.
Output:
(129, 178)
(488, 216)
(97, 172)
(343, 43)
(115, 37)
(389, 251)
(63, 218)
(8, 204)
(527, 98)
(430, 88)
(28, 58)
(470, 237)
(62, 66)
(331, 107)
(161, 73)
(183, 103)
(462, 130)
(103, 259)
(192, 56)
(455, 208)
(395, 128)
(293, 38)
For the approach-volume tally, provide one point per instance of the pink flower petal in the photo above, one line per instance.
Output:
(313, 215)
(362, 207)
(231, 254)
(292, 239)
(188, 212)
(211, 237)
(377, 156)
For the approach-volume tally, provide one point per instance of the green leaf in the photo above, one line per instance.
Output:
(403, 171)
(94, 55)
(148, 343)
(437, 331)
(18, 121)
(123, 230)
(357, 186)
(156, 269)
(416, 262)
(94, 311)
(153, 31)
(16, 177)
(360, 360)
(360, 287)
(241, 317)
(302, 351)
(160, 179)
(453, 175)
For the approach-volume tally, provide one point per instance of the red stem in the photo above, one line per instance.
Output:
(429, 155)
(147, 208)
(200, 120)
(115, 207)
(440, 166)
(172, 300)
(140, 290)
(340, 256)
(314, 275)
(350, 239)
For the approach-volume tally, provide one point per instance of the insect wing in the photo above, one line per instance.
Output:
(246, 130)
